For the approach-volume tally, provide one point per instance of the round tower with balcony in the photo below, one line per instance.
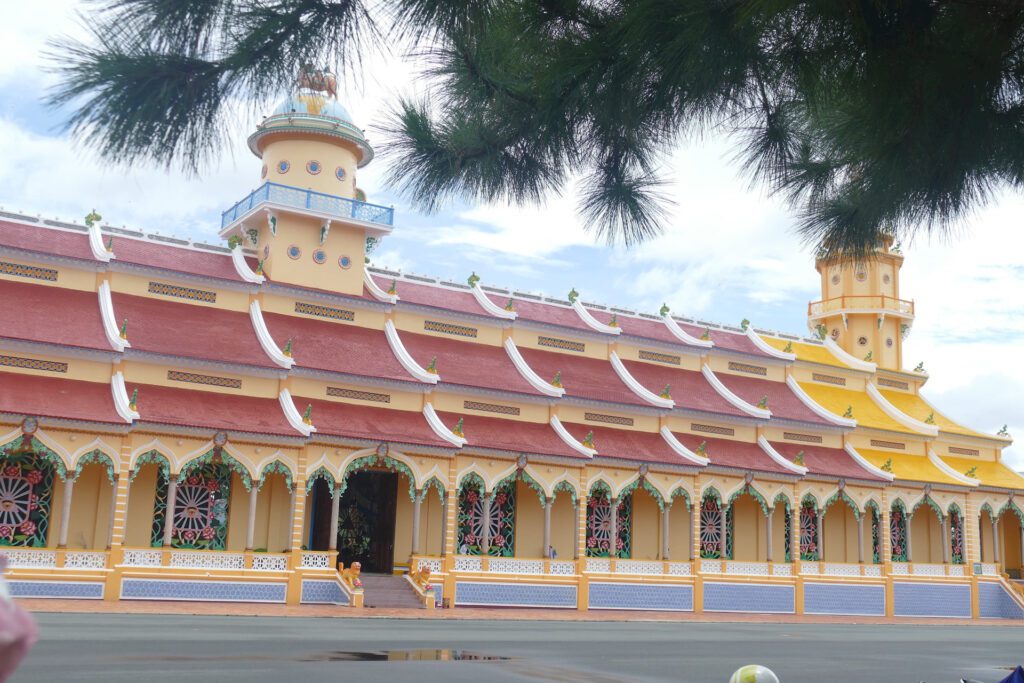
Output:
(308, 223)
(861, 309)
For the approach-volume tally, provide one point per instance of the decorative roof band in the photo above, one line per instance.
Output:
(489, 306)
(767, 348)
(817, 408)
(110, 328)
(375, 291)
(434, 420)
(677, 446)
(898, 415)
(568, 438)
(528, 373)
(242, 268)
(778, 458)
(292, 414)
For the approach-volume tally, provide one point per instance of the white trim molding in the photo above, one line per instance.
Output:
(568, 438)
(684, 452)
(898, 415)
(489, 306)
(683, 336)
(848, 359)
(122, 402)
(375, 291)
(109, 319)
(732, 398)
(292, 414)
(439, 427)
(259, 325)
(242, 268)
(635, 386)
(950, 472)
(817, 408)
(96, 246)
(528, 373)
(863, 462)
(767, 348)
(778, 457)
(405, 358)
(592, 322)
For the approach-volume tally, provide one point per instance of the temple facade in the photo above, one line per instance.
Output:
(274, 420)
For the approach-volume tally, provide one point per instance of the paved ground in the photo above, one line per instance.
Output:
(180, 647)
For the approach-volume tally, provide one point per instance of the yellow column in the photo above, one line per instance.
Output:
(886, 535)
(118, 522)
(294, 594)
(450, 532)
(972, 549)
(583, 585)
(794, 552)
(698, 578)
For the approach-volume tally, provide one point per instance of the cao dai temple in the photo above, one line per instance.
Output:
(275, 421)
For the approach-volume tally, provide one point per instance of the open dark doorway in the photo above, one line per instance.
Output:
(366, 521)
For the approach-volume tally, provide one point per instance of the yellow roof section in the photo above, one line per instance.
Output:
(919, 409)
(865, 411)
(812, 353)
(909, 467)
(990, 473)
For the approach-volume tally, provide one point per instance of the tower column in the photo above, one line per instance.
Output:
(417, 503)
(548, 502)
(665, 513)
(65, 512)
(613, 522)
(768, 531)
(250, 529)
(485, 542)
(172, 499)
(332, 542)
(113, 510)
(860, 537)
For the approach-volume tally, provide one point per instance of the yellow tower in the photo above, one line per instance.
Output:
(308, 223)
(861, 309)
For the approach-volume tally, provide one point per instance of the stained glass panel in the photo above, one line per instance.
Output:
(26, 495)
(809, 532)
(956, 537)
(156, 536)
(898, 533)
(710, 528)
(599, 531)
(201, 508)
(502, 526)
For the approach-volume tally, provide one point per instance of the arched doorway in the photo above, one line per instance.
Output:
(367, 510)
(609, 535)
(28, 480)
(1011, 541)
(840, 529)
(749, 534)
(926, 538)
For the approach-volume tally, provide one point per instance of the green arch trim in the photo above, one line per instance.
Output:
(41, 450)
(754, 493)
(712, 493)
(841, 496)
(599, 486)
(646, 486)
(528, 480)
(377, 460)
(227, 459)
(153, 457)
(276, 467)
(434, 483)
(320, 473)
(784, 499)
(472, 479)
(927, 500)
(679, 491)
(565, 485)
(810, 498)
(97, 457)
(1010, 505)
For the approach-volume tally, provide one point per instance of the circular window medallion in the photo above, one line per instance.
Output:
(263, 173)
(835, 279)
(283, 166)
(886, 278)
(294, 252)
(345, 262)
(313, 167)
(319, 256)
(863, 341)
(339, 173)
(861, 275)
(835, 333)
(888, 342)
(29, 426)
(220, 438)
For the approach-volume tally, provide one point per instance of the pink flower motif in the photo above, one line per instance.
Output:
(500, 499)
(208, 533)
(12, 471)
(6, 531)
(470, 538)
(34, 477)
(27, 527)
(471, 497)
(212, 486)
(33, 506)
(619, 544)
(189, 535)
(591, 542)
(193, 480)
(604, 545)
(500, 540)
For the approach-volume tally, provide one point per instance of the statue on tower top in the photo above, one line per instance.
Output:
(319, 80)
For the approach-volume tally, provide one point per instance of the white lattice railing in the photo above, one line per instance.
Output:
(809, 567)
(469, 564)
(563, 567)
(263, 562)
(28, 558)
(747, 568)
(989, 569)
(75, 559)
(181, 559)
(317, 560)
(680, 568)
(434, 563)
(138, 557)
(646, 567)
(710, 566)
(782, 569)
(873, 570)
(600, 565)
(900, 569)
(956, 570)
(515, 565)
(841, 569)
(921, 569)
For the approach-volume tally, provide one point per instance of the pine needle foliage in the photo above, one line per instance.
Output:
(869, 117)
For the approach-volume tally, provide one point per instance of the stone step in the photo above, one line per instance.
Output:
(382, 590)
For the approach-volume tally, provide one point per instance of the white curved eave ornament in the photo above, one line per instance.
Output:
(122, 403)
(950, 472)
(242, 268)
(863, 462)
(635, 386)
(489, 306)
(779, 459)
(292, 414)
(434, 420)
(108, 318)
(851, 360)
(568, 438)
(898, 415)
(404, 357)
(683, 336)
(534, 380)
(817, 408)
(684, 452)
(375, 291)
(592, 322)
(96, 246)
(259, 325)
(767, 348)
(728, 395)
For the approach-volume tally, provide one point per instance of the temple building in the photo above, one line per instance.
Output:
(274, 420)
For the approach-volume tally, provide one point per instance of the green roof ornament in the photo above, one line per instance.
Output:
(799, 459)
(822, 331)
(972, 471)
(110, 244)
(473, 279)
(666, 392)
(919, 367)
(259, 267)
(92, 218)
(763, 403)
(457, 429)
(789, 347)
(663, 311)
(614, 322)
(744, 324)
(887, 466)
(702, 449)
(307, 415)
(234, 241)
(124, 329)
(871, 354)
(930, 420)
(287, 350)
(393, 289)
(896, 248)
(133, 402)
(432, 368)
(849, 411)
(588, 440)
(573, 295)
(707, 334)
(1003, 432)
(556, 381)
(509, 306)
(904, 330)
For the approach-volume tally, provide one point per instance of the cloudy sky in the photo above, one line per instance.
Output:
(729, 251)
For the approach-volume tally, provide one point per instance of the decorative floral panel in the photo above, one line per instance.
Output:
(710, 528)
(156, 537)
(956, 537)
(201, 508)
(502, 526)
(789, 535)
(876, 537)
(809, 532)
(898, 533)
(599, 521)
(26, 495)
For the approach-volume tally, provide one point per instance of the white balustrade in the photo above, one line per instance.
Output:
(515, 565)
(841, 569)
(469, 564)
(645, 567)
(928, 569)
(680, 569)
(433, 563)
(316, 560)
(207, 560)
(900, 569)
(747, 568)
(135, 557)
(989, 569)
(85, 560)
(601, 565)
(956, 570)
(873, 570)
(563, 568)
(810, 567)
(263, 562)
(710, 566)
(30, 559)
(782, 569)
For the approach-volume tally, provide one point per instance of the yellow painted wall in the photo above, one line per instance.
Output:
(779, 535)
(272, 303)
(680, 529)
(403, 522)
(137, 285)
(926, 536)
(454, 403)
(298, 152)
(90, 509)
(413, 322)
(563, 526)
(527, 339)
(646, 526)
(641, 423)
(720, 364)
(749, 542)
(315, 388)
(840, 534)
(137, 372)
(66, 276)
(828, 439)
(529, 522)
(1009, 530)
(630, 352)
(304, 232)
(238, 514)
(141, 497)
(273, 515)
(431, 524)
(88, 371)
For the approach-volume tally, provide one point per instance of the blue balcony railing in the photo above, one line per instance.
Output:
(307, 199)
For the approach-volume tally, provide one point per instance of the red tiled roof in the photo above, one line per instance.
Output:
(68, 399)
(582, 377)
(549, 314)
(190, 331)
(782, 402)
(723, 339)
(833, 462)
(735, 454)
(336, 347)
(45, 240)
(174, 257)
(435, 296)
(512, 436)
(468, 363)
(371, 423)
(210, 410)
(689, 389)
(627, 444)
(51, 314)
(639, 327)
